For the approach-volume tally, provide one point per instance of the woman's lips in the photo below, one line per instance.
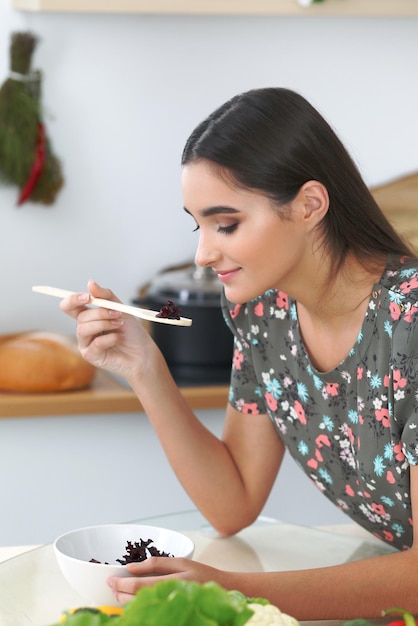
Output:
(226, 276)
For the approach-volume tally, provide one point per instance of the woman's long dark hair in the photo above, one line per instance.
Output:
(274, 141)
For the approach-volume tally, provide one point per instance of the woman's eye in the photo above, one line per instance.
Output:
(224, 230)
(227, 230)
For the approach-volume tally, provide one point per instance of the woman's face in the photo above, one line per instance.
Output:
(241, 235)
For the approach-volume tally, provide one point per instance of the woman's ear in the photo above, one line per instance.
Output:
(315, 200)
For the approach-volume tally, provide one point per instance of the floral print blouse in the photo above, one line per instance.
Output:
(353, 430)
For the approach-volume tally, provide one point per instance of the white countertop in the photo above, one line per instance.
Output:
(8, 552)
(33, 592)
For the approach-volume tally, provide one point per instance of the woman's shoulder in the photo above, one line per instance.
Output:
(401, 277)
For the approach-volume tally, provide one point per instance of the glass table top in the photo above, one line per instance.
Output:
(33, 591)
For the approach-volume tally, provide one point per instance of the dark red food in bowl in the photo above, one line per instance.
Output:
(138, 551)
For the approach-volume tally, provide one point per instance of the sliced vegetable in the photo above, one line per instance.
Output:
(408, 618)
(86, 616)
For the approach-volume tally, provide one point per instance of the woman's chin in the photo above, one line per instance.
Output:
(239, 296)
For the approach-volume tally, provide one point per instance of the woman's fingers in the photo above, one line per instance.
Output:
(100, 292)
(155, 569)
(125, 588)
(74, 304)
(93, 323)
(107, 338)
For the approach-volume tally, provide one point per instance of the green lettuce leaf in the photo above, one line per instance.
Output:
(185, 604)
(174, 603)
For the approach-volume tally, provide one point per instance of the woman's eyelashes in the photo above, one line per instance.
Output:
(224, 230)
(227, 230)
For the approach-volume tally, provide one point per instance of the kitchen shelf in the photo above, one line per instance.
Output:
(398, 195)
(106, 395)
(372, 8)
(398, 200)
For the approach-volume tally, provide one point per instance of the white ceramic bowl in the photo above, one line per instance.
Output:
(106, 543)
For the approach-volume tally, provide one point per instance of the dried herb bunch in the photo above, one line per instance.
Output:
(26, 157)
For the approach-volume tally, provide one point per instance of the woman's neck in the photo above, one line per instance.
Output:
(331, 318)
(338, 297)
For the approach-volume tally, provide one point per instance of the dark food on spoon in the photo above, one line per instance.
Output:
(169, 311)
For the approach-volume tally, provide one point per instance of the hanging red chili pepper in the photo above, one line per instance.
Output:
(36, 167)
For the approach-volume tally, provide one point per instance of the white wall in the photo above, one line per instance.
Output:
(66, 472)
(121, 94)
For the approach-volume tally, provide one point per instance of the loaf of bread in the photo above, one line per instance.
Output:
(39, 362)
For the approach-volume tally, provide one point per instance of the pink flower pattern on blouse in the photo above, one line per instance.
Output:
(353, 430)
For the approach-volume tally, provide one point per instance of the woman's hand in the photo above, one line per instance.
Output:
(156, 568)
(109, 339)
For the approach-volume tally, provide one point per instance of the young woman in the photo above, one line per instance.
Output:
(321, 295)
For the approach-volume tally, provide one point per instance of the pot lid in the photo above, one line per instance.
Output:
(190, 284)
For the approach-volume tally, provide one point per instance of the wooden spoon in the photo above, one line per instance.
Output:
(146, 314)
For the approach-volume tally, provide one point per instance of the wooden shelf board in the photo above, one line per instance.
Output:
(398, 195)
(106, 395)
(398, 200)
(375, 8)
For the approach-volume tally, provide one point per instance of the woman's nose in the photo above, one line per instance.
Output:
(206, 254)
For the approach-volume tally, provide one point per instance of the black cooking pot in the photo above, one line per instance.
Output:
(200, 353)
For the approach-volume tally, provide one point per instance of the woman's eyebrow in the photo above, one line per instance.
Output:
(215, 210)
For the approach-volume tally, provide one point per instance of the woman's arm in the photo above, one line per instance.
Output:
(351, 590)
(229, 479)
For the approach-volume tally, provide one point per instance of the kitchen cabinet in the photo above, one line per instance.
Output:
(374, 8)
